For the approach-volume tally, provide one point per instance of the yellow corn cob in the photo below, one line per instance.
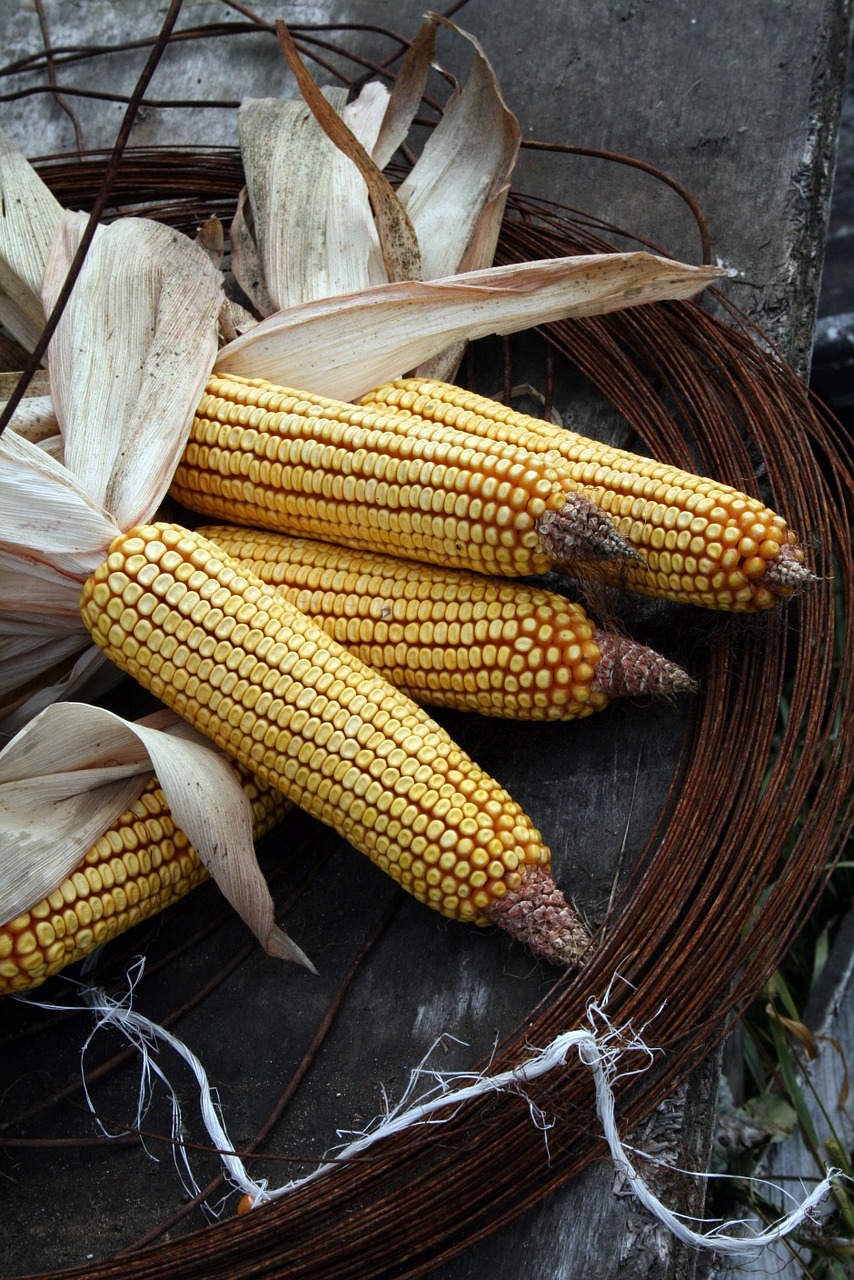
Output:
(452, 638)
(297, 463)
(140, 866)
(276, 693)
(702, 542)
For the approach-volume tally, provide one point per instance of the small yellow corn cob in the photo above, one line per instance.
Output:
(276, 693)
(701, 541)
(297, 463)
(452, 638)
(140, 866)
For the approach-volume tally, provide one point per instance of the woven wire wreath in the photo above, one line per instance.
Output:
(712, 906)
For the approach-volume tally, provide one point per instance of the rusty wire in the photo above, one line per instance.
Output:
(713, 905)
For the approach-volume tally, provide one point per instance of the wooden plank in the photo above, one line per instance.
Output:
(738, 103)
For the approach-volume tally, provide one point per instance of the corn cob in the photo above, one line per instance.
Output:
(276, 693)
(452, 638)
(297, 463)
(701, 541)
(140, 866)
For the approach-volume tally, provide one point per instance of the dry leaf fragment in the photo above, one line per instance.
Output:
(29, 215)
(456, 192)
(130, 356)
(342, 347)
(69, 774)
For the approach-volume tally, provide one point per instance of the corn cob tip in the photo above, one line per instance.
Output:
(536, 914)
(627, 669)
(787, 572)
(579, 530)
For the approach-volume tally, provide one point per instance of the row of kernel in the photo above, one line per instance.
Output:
(303, 763)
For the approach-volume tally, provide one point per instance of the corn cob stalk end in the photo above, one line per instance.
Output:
(700, 541)
(627, 669)
(786, 572)
(536, 914)
(580, 530)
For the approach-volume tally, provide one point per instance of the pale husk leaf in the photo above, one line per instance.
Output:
(407, 90)
(70, 772)
(304, 227)
(127, 411)
(87, 676)
(35, 419)
(29, 215)
(125, 379)
(278, 236)
(46, 510)
(465, 164)
(398, 241)
(342, 347)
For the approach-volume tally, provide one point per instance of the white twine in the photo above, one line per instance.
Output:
(147, 1037)
(599, 1048)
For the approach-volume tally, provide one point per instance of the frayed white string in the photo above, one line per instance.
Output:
(599, 1047)
(147, 1037)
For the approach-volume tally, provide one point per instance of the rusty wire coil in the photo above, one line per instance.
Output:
(712, 906)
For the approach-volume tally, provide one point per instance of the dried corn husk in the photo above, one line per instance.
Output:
(341, 347)
(324, 158)
(29, 215)
(125, 380)
(70, 773)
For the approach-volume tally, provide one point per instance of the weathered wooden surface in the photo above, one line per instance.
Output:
(737, 102)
